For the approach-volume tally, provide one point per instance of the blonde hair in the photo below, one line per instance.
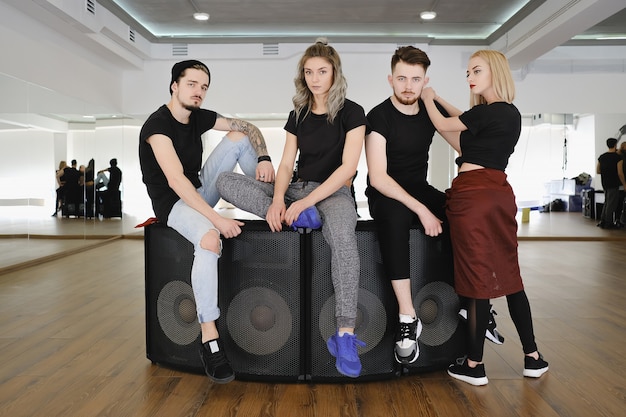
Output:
(337, 93)
(501, 77)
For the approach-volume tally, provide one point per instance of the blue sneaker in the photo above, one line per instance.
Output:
(344, 348)
(308, 220)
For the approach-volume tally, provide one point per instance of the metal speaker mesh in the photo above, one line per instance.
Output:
(176, 312)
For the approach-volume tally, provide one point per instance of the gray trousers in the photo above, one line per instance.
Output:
(339, 223)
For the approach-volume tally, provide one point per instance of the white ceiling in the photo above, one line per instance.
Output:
(457, 21)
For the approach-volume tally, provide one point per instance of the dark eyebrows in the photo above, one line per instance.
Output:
(473, 68)
(191, 80)
(311, 69)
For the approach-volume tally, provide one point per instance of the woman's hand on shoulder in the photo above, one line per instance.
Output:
(428, 94)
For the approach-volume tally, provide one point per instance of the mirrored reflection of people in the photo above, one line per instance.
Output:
(481, 210)
(607, 168)
(111, 181)
(108, 197)
(328, 130)
(72, 189)
(81, 172)
(621, 173)
(90, 188)
(183, 190)
(59, 191)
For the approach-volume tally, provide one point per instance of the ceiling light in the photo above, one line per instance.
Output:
(201, 16)
(428, 15)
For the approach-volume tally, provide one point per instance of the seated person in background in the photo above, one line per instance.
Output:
(111, 182)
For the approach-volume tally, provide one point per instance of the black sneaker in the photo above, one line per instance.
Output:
(461, 371)
(215, 363)
(492, 334)
(534, 368)
(406, 350)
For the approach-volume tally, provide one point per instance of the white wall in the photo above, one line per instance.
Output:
(257, 84)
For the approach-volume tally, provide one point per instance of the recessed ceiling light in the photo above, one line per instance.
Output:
(428, 15)
(201, 16)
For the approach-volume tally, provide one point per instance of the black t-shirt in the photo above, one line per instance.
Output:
(187, 142)
(608, 169)
(71, 177)
(321, 143)
(492, 133)
(408, 139)
(115, 178)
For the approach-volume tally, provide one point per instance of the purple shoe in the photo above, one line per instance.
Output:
(345, 349)
(308, 220)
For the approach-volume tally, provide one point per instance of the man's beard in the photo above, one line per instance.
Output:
(406, 101)
(191, 107)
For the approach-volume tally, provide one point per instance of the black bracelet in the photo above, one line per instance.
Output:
(264, 158)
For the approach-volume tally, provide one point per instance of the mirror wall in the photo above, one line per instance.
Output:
(38, 129)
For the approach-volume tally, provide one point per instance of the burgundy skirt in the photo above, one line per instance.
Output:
(481, 211)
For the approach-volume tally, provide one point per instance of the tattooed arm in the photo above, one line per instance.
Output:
(265, 170)
(254, 134)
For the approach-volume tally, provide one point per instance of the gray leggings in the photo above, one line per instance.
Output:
(339, 224)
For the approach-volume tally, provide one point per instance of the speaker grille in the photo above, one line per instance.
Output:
(373, 321)
(259, 320)
(172, 328)
(260, 299)
(435, 301)
(437, 306)
(176, 311)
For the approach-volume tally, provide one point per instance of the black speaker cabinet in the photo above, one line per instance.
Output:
(260, 296)
(277, 304)
(172, 328)
(436, 303)
(376, 316)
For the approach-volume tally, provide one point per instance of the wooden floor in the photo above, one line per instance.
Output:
(72, 343)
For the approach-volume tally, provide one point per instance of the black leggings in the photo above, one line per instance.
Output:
(478, 319)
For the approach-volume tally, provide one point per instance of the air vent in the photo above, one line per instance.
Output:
(131, 35)
(180, 49)
(270, 49)
(90, 6)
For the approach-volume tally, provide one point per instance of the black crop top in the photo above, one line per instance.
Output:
(492, 133)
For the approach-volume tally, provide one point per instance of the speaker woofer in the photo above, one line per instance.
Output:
(259, 320)
(437, 306)
(371, 322)
(176, 312)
